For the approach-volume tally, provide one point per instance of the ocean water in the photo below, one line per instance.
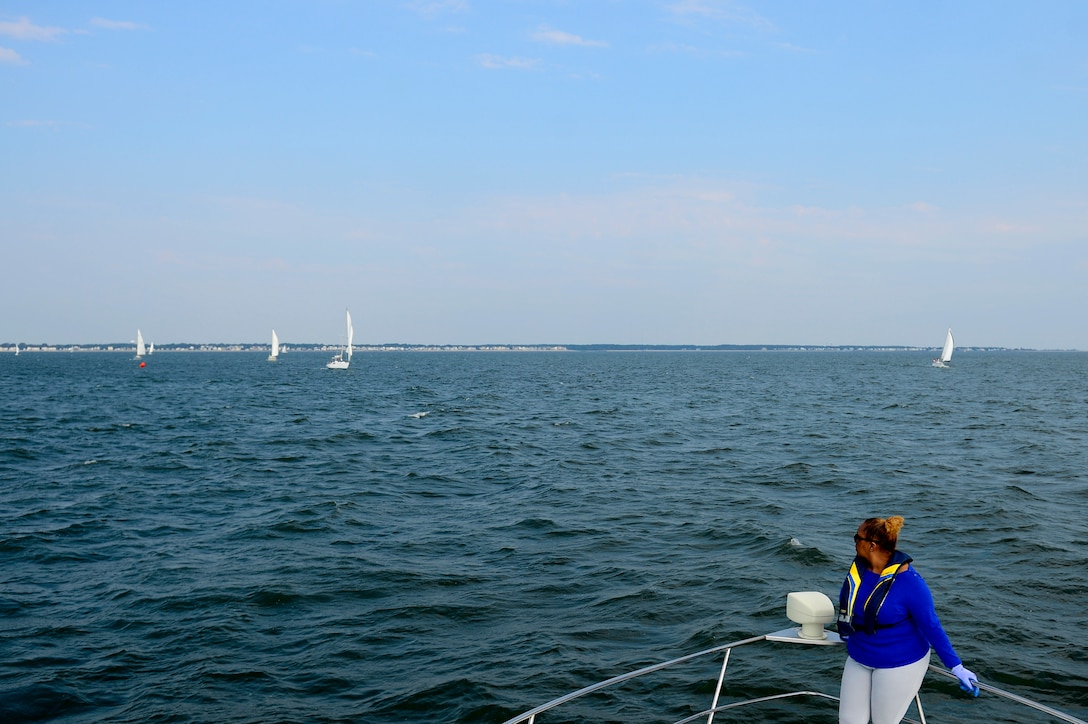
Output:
(458, 537)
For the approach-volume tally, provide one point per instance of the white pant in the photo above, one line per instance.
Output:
(883, 694)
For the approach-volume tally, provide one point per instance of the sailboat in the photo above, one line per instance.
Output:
(140, 349)
(946, 351)
(275, 347)
(343, 359)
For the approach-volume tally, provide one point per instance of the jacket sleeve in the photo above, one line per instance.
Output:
(920, 606)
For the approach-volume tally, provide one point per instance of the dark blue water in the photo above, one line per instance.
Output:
(457, 537)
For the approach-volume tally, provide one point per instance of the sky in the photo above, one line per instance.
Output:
(545, 172)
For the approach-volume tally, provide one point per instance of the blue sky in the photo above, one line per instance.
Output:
(460, 171)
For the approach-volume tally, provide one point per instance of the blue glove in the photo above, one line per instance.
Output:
(968, 681)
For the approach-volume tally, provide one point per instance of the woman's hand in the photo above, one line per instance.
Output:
(968, 680)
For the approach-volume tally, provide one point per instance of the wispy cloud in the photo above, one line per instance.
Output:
(696, 51)
(795, 48)
(723, 10)
(498, 62)
(1002, 227)
(9, 56)
(558, 37)
(23, 29)
(220, 263)
(117, 24)
(923, 207)
(33, 124)
(711, 221)
(435, 8)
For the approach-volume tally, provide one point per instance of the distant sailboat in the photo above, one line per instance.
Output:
(140, 349)
(150, 348)
(275, 347)
(16, 349)
(946, 351)
(342, 360)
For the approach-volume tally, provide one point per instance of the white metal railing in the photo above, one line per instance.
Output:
(785, 636)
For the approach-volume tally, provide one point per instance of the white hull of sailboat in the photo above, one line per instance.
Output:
(337, 364)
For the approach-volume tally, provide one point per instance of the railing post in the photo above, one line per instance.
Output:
(718, 690)
(918, 703)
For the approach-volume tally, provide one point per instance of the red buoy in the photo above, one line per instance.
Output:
(143, 364)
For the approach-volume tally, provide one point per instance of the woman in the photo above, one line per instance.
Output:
(887, 619)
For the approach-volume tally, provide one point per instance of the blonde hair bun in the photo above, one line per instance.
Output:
(893, 525)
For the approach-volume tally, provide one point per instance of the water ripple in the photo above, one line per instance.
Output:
(461, 536)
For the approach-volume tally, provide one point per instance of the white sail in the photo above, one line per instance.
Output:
(949, 345)
(150, 348)
(140, 349)
(351, 333)
(343, 359)
(946, 351)
(275, 347)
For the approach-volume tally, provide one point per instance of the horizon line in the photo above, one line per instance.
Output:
(498, 346)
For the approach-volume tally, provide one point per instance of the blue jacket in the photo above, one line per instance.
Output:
(905, 627)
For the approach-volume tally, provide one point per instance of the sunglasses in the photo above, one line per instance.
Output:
(859, 539)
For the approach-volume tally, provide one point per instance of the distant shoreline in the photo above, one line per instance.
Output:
(265, 348)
